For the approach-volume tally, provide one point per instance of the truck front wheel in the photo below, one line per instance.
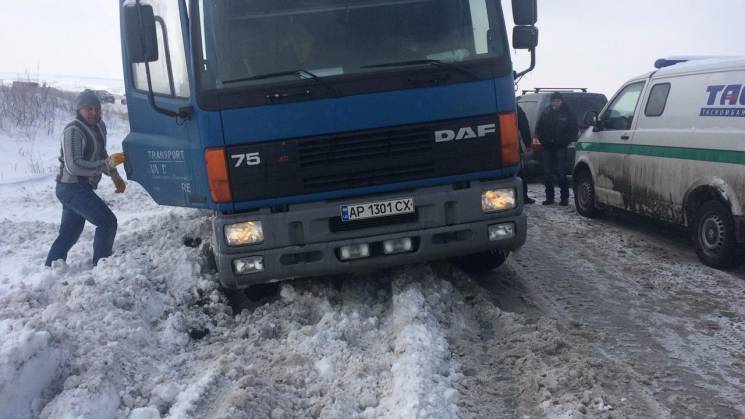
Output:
(479, 263)
(714, 230)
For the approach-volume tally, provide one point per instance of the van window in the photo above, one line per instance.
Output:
(620, 114)
(657, 99)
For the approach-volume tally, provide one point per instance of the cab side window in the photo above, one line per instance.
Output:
(169, 74)
(657, 100)
(620, 114)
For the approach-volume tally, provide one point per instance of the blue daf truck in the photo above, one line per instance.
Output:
(330, 136)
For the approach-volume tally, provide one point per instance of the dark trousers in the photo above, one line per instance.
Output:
(555, 167)
(524, 177)
(80, 204)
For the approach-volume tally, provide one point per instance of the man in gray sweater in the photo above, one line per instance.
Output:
(83, 159)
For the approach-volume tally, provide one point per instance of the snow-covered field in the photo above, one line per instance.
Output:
(590, 319)
(69, 83)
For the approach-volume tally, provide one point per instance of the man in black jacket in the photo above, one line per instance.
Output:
(556, 129)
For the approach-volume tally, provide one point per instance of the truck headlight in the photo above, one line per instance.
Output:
(242, 234)
(498, 200)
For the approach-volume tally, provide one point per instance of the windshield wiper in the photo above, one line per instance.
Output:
(437, 63)
(297, 73)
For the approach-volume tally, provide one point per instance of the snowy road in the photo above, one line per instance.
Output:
(592, 318)
(667, 332)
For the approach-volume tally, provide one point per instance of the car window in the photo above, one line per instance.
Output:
(530, 107)
(657, 100)
(583, 103)
(620, 114)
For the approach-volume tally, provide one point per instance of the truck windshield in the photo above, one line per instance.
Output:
(243, 40)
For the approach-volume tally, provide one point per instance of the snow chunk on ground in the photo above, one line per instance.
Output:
(422, 373)
(29, 364)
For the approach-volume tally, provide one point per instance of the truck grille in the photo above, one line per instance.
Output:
(350, 148)
(356, 179)
(365, 158)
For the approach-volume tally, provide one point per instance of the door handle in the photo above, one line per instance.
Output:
(625, 137)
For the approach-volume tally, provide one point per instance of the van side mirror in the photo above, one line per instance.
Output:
(525, 37)
(139, 30)
(525, 12)
(590, 119)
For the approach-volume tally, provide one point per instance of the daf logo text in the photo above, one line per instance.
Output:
(466, 133)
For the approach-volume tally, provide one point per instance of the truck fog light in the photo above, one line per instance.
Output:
(501, 231)
(354, 251)
(391, 247)
(248, 266)
(498, 200)
(241, 234)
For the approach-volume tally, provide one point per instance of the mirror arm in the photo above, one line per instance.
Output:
(532, 65)
(167, 47)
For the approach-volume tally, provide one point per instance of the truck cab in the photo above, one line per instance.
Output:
(328, 136)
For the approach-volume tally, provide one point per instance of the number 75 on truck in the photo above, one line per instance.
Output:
(330, 136)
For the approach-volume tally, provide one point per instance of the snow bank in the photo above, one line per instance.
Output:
(95, 339)
(29, 365)
(421, 373)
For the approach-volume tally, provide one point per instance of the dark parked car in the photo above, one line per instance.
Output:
(104, 96)
(534, 102)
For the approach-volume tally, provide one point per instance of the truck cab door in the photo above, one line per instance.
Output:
(613, 140)
(163, 150)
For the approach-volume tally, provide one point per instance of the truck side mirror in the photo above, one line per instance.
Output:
(525, 37)
(139, 30)
(525, 12)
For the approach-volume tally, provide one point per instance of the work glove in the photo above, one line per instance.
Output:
(116, 159)
(119, 183)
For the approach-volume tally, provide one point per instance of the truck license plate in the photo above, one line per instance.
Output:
(367, 210)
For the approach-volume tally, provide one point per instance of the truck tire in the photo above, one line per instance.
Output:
(714, 234)
(584, 195)
(479, 263)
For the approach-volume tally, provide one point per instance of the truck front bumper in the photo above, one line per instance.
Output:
(305, 240)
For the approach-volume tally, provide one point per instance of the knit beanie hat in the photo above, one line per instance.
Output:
(557, 96)
(88, 99)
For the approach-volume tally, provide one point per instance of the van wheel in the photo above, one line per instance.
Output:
(584, 195)
(480, 263)
(715, 240)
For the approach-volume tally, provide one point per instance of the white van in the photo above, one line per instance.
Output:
(671, 145)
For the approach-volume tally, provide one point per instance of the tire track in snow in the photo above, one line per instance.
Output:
(363, 347)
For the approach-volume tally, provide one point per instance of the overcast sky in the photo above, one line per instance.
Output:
(583, 43)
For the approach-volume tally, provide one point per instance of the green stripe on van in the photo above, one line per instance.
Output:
(698, 154)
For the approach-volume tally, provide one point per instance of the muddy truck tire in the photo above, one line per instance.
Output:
(479, 263)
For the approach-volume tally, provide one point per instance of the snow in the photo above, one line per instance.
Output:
(69, 83)
(421, 374)
(29, 365)
(426, 341)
